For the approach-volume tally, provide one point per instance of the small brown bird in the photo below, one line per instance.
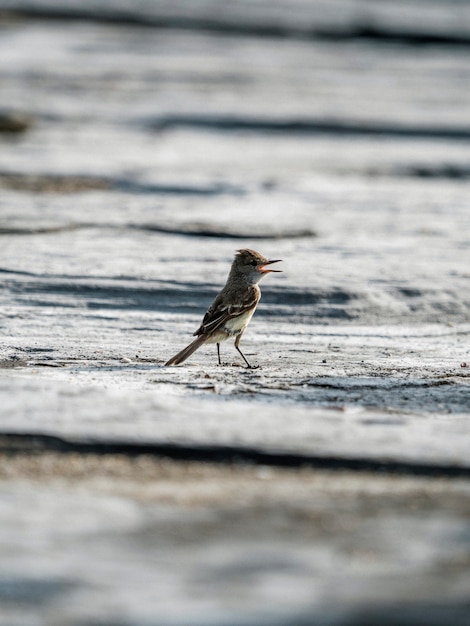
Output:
(229, 314)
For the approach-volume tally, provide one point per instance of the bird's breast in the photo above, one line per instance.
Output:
(232, 327)
(237, 324)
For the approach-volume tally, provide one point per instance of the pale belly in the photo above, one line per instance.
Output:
(232, 328)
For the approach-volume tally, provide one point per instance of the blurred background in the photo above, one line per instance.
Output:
(281, 120)
(330, 127)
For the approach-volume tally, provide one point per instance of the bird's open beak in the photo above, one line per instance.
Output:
(265, 271)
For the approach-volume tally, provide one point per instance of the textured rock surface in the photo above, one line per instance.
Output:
(329, 485)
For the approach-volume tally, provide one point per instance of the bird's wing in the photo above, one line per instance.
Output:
(219, 312)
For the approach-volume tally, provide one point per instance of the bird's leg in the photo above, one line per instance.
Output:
(250, 367)
(237, 343)
(218, 353)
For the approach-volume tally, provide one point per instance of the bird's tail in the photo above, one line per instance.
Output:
(186, 352)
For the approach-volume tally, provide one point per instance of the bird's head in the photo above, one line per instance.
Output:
(252, 265)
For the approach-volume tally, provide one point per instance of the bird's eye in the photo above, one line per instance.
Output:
(254, 262)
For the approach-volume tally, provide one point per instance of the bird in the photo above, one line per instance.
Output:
(231, 311)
